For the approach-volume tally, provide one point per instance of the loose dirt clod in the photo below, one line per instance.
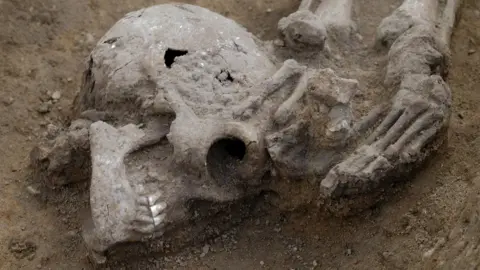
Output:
(22, 248)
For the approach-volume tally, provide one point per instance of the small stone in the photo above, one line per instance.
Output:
(89, 38)
(56, 95)
(52, 131)
(32, 190)
(69, 79)
(315, 263)
(8, 101)
(262, 263)
(44, 108)
(205, 251)
(71, 233)
(277, 229)
(269, 10)
(279, 43)
(22, 248)
(472, 51)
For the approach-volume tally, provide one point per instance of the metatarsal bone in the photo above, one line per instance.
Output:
(389, 120)
(421, 123)
(419, 142)
(395, 131)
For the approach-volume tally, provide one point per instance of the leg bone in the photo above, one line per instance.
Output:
(448, 20)
(410, 13)
(337, 17)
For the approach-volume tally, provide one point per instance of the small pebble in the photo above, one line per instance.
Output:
(269, 10)
(89, 38)
(278, 43)
(205, 250)
(472, 51)
(33, 190)
(262, 263)
(56, 95)
(44, 108)
(8, 101)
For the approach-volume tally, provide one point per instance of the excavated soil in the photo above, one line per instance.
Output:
(43, 46)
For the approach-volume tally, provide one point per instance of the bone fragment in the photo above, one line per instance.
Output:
(448, 19)
(337, 12)
(421, 9)
(309, 5)
(409, 14)
(281, 115)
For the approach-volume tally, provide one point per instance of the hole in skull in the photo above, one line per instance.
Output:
(170, 55)
(224, 76)
(111, 40)
(224, 157)
(297, 36)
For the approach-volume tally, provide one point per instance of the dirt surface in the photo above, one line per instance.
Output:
(43, 48)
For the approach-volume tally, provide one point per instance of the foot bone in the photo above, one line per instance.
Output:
(414, 120)
(280, 81)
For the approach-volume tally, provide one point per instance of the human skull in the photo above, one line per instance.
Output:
(179, 103)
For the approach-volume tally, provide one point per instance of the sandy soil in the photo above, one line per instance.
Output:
(43, 45)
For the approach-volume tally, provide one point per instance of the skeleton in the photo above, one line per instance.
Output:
(179, 103)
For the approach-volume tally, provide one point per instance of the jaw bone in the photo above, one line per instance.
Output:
(114, 202)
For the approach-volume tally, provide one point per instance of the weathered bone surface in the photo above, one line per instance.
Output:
(179, 103)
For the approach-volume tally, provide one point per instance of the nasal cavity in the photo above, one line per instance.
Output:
(170, 55)
(224, 157)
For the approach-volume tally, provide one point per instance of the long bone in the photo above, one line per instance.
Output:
(408, 14)
(448, 19)
(420, 9)
(333, 13)
(336, 15)
(308, 26)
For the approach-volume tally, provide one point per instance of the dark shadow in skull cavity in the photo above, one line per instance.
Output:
(224, 158)
(170, 55)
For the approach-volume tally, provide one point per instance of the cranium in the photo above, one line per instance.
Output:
(179, 103)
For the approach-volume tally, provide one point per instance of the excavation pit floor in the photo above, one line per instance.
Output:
(43, 45)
